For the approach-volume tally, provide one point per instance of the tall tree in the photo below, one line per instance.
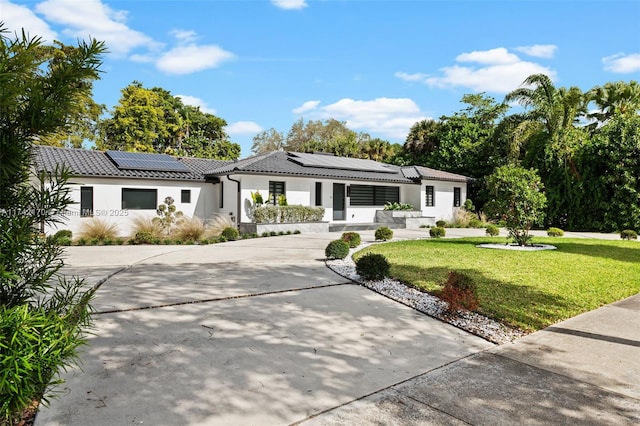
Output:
(613, 98)
(422, 139)
(268, 141)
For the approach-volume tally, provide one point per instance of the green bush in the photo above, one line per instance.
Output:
(468, 205)
(629, 234)
(460, 292)
(119, 241)
(351, 238)
(287, 214)
(437, 232)
(555, 232)
(337, 249)
(296, 232)
(389, 205)
(441, 223)
(62, 237)
(493, 231)
(373, 266)
(221, 239)
(383, 233)
(143, 237)
(475, 223)
(231, 234)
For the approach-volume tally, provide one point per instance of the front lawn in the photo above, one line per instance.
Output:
(529, 290)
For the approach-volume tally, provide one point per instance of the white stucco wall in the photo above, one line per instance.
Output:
(443, 194)
(107, 201)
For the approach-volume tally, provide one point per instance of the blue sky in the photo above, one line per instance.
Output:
(378, 65)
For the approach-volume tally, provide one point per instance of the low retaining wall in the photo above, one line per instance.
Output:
(405, 218)
(303, 227)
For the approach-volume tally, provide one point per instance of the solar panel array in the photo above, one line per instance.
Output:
(343, 163)
(142, 161)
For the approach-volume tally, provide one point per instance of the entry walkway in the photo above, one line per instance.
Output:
(261, 332)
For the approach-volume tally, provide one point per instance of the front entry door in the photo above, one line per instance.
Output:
(338, 202)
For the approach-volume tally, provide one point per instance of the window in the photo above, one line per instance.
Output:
(185, 196)
(139, 199)
(456, 197)
(275, 189)
(221, 195)
(430, 199)
(318, 193)
(368, 195)
(86, 201)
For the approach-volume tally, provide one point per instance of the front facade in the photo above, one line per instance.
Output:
(117, 187)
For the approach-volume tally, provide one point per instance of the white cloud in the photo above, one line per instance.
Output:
(290, 4)
(495, 70)
(496, 56)
(197, 102)
(621, 63)
(244, 128)
(389, 117)
(185, 36)
(17, 17)
(307, 106)
(538, 50)
(411, 77)
(93, 18)
(192, 58)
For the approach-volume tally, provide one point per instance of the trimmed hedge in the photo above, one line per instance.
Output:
(437, 232)
(287, 214)
(373, 266)
(351, 238)
(337, 249)
(555, 232)
(230, 233)
(383, 233)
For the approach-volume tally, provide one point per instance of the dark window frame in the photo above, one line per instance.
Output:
(186, 192)
(457, 196)
(276, 188)
(430, 196)
(318, 193)
(86, 205)
(221, 201)
(373, 195)
(128, 205)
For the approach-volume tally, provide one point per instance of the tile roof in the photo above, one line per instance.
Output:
(84, 162)
(433, 174)
(282, 163)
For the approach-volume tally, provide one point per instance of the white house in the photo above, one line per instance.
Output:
(117, 186)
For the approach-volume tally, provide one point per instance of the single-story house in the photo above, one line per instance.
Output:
(117, 186)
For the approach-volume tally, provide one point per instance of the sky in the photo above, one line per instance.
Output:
(380, 66)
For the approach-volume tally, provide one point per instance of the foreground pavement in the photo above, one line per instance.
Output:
(260, 332)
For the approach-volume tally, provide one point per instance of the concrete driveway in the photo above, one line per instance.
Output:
(247, 332)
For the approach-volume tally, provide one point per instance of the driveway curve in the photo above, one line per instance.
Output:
(247, 332)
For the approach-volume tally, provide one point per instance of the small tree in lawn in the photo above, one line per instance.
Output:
(517, 197)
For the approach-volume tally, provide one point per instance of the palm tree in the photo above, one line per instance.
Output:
(377, 149)
(423, 137)
(614, 97)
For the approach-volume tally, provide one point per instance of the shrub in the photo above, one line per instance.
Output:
(265, 234)
(460, 292)
(297, 231)
(167, 214)
(461, 218)
(389, 205)
(221, 239)
(149, 227)
(441, 223)
(468, 205)
(337, 249)
(555, 232)
(65, 234)
(493, 231)
(143, 237)
(98, 229)
(218, 223)
(94, 242)
(437, 232)
(475, 223)
(351, 238)
(425, 226)
(273, 233)
(373, 266)
(629, 234)
(107, 242)
(189, 229)
(287, 214)
(383, 233)
(119, 241)
(167, 241)
(82, 241)
(231, 234)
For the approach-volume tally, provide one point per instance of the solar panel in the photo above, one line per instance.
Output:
(143, 161)
(343, 163)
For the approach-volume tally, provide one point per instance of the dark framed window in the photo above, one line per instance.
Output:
(318, 193)
(430, 199)
(275, 190)
(86, 201)
(369, 195)
(221, 195)
(139, 199)
(456, 197)
(185, 196)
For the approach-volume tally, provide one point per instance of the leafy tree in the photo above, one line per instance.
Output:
(613, 98)
(330, 136)
(268, 141)
(422, 140)
(517, 197)
(378, 150)
(41, 323)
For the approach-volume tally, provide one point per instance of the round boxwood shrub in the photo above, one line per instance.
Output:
(351, 238)
(475, 223)
(555, 232)
(231, 234)
(143, 237)
(372, 266)
(337, 249)
(383, 233)
(441, 223)
(493, 231)
(629, 234)
(437, 232)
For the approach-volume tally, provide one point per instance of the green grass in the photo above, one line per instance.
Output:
(529, 290)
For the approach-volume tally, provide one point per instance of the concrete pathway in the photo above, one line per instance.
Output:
(261, 332)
